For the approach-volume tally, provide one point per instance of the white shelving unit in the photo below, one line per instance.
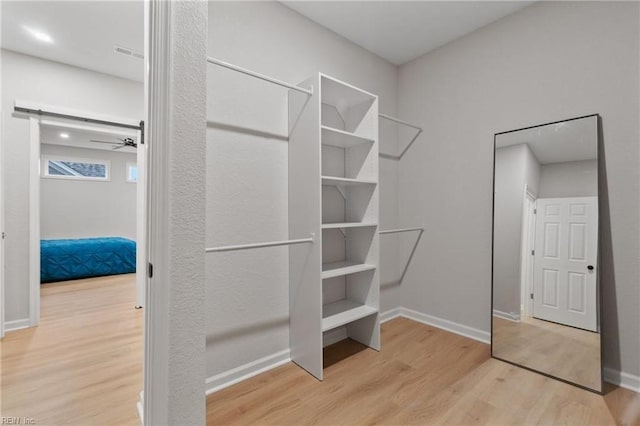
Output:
(333, 193)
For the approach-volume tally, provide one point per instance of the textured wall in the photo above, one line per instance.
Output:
(176, 125)
(548, 62)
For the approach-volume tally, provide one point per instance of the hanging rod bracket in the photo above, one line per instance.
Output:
(413, 249)
(406, 148)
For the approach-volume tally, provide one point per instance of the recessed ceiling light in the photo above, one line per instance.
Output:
(64, 135)
(39, 35)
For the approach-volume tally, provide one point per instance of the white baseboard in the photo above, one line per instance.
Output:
(390, 314)
(506, 315)
(622, 379)
(246, 371)
(140, 407)
(453, 327)
(17, 324)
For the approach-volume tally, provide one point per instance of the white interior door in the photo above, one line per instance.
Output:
(565, 268)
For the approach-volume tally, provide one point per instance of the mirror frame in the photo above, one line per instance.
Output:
(599, 176)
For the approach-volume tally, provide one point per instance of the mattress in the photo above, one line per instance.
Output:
(72, 259)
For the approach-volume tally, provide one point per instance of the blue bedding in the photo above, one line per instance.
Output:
(62, 260)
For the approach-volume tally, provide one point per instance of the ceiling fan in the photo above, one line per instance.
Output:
(123, 142)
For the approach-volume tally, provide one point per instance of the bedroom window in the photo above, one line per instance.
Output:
(132, 172)
(75, 168)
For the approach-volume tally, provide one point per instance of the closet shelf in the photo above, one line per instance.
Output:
(343, 312)
(343, 225)
(341, 139)
(338, 269)
(340, 181)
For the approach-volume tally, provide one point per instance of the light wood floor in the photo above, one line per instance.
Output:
(83, 364)
(566, 352)
(422, 376)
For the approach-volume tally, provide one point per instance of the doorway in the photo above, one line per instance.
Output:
(527, 255)
(68, 142)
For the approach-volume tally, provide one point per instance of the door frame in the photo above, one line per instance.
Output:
(70, 118)
(34, 221)
(527, 240)
(2, 231)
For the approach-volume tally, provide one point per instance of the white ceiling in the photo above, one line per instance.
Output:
(83, 32)
(573, 140)
(400, 31)
(82, 138)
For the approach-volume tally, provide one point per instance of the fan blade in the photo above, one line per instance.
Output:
(118, 147)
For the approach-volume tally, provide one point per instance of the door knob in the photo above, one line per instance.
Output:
(590, 267)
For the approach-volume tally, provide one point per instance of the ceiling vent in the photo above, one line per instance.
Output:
(127, 52)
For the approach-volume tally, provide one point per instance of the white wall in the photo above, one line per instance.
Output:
(516, 166)
(31, 79)
(85, 208)
(569, 179)
(247, 189)
(548, 62)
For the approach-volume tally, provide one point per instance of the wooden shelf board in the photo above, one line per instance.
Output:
(343, 312)
(342, 139)
(338, 269)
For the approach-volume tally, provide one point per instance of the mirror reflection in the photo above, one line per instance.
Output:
(545, 242)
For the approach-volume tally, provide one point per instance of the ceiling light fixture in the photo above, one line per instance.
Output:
(39, 35)
(64, 135)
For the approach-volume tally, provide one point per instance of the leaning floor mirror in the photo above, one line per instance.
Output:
(545, 309)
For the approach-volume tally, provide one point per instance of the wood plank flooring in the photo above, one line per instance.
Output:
(561, 351)
(422, 376)
(82, 366)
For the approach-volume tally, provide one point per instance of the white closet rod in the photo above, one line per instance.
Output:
(394, 231)
(258, 75)
(261, 245)
(397, 120)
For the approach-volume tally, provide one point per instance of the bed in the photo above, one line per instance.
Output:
(72, 259)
